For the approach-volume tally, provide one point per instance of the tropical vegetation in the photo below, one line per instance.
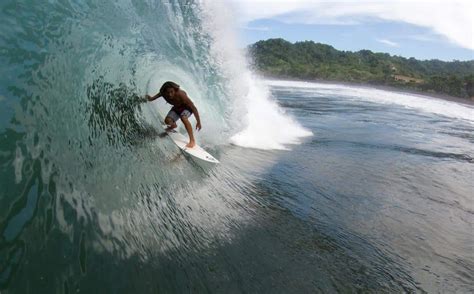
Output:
(309, 61)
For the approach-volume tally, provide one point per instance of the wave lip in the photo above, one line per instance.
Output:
(255, 119)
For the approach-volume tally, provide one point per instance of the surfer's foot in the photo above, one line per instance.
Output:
(171, 127)
(191, 144)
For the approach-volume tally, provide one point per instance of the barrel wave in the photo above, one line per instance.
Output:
(83, 169)
(93, 198)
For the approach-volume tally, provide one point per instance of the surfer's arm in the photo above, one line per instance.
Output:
(151, 98)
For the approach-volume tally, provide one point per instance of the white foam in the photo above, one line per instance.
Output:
(267, 126)
(258, 121)
(420, 102)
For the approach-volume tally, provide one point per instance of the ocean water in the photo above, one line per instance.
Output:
(321, 187)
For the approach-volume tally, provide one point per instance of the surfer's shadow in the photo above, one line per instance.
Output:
(162, 135)
(144, 136)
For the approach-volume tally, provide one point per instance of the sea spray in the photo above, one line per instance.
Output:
(257, 120)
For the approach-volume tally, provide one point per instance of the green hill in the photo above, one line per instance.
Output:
(309, 60)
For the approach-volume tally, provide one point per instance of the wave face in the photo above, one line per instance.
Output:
(82, 167)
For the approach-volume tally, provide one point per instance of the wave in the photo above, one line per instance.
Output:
(242, 110)
(80, 151)
(420, 102)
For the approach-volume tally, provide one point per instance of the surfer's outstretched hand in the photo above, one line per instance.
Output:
(198, 126)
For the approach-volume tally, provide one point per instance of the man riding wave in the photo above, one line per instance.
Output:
(182, 109)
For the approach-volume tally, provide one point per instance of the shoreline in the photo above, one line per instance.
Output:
(446, 97)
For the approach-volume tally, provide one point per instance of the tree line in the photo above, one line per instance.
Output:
(309, 60)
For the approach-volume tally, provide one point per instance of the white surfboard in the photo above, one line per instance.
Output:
(197, 152)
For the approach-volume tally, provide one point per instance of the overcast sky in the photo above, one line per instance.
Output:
(420, 29)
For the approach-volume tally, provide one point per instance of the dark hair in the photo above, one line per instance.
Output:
(167, 85)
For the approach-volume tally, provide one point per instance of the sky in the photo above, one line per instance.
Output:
(421, 29)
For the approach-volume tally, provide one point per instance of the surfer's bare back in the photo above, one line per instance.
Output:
(182, 108)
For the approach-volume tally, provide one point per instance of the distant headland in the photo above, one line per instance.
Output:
(308, 60)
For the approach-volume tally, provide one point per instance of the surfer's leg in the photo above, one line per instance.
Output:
(189, 129)
(171, 119)
(170, 122)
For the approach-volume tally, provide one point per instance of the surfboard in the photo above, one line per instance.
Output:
(196, 152)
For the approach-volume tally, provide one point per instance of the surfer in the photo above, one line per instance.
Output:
(182, 108)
